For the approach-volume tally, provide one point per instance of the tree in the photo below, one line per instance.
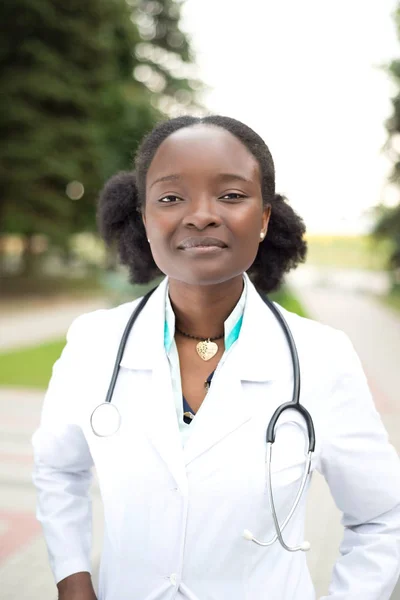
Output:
(388, 227)
(388, 218)
(71, 109)
(53, 66)
(167, 63)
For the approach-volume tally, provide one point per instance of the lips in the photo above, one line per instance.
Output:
(201, 242)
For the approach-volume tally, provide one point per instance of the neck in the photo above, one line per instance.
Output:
(202, 310)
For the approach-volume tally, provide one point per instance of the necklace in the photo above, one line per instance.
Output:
(206, 348)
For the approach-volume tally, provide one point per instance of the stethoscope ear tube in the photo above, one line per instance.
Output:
(270, 437)
(295, 402)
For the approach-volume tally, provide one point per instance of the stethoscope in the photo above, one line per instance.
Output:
(106, 420)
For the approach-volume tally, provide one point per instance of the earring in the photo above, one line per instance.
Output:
(262, 235)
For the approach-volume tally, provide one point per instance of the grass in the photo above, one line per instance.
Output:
(347, 251)
(393, 300)
(286, 299)
(31, 367)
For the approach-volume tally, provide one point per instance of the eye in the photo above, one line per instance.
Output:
(233, 196)
(170, 199)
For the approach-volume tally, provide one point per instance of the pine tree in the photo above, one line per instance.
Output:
(71, 107)
(167, 66)
(53, 66)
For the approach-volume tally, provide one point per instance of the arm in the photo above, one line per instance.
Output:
(62, 473)
(76, 587)
(363, 473)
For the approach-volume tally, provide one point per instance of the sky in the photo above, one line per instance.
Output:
(305, 74)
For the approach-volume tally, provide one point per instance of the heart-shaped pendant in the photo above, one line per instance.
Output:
(206, 350)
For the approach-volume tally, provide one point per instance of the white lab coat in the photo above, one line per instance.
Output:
(174, 517)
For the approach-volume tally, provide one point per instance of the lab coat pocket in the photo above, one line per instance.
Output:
(288, 463)
(289, 451)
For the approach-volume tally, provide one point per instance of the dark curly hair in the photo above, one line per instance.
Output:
(123, 196)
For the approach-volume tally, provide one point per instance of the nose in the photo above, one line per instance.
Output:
(202, 213)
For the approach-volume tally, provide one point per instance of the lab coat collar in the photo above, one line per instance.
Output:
(261, 344)
(259, 349)
(146, 340)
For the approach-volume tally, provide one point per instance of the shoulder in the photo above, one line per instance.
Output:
(332, 376)
(320, 343)
(306, 328)
(102, 323)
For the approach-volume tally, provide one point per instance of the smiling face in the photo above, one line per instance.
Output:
(204, 211)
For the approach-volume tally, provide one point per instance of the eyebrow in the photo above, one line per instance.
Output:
(230, 176)
(172, 177)
(220, 176)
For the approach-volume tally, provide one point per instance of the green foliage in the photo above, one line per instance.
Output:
(30, 367)
(54, 66)
(387, 227)
(71, 108)
(393, 299)
(388, 219)
(347, 252)
(288, 300)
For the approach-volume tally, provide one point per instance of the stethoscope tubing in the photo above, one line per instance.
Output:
(123, 341)
(294, 404)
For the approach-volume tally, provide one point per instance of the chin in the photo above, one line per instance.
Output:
(204, 272)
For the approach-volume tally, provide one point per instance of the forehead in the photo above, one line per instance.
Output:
(203, 148)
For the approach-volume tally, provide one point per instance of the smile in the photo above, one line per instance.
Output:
(203, 245)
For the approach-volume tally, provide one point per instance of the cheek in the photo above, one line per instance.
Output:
(160, 230)
(246, 229)
(247, 233)
(158, 227)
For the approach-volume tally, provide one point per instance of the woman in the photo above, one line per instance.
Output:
(204, 368)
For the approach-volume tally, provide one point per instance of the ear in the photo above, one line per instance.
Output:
(266, 215)
(142, 214)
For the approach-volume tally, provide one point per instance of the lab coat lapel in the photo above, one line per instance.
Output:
(222, 412)
(259, 355)
(263, 352)
(145, 352)
(162, 422)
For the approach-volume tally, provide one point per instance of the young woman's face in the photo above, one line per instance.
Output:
(204, 211)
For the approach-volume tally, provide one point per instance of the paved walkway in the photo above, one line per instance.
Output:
(375, 333)
(23, 327)
(24, 571)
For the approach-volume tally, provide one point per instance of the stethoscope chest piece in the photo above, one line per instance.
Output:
(105, 420)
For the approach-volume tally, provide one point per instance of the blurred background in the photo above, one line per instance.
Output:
(82, 82)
